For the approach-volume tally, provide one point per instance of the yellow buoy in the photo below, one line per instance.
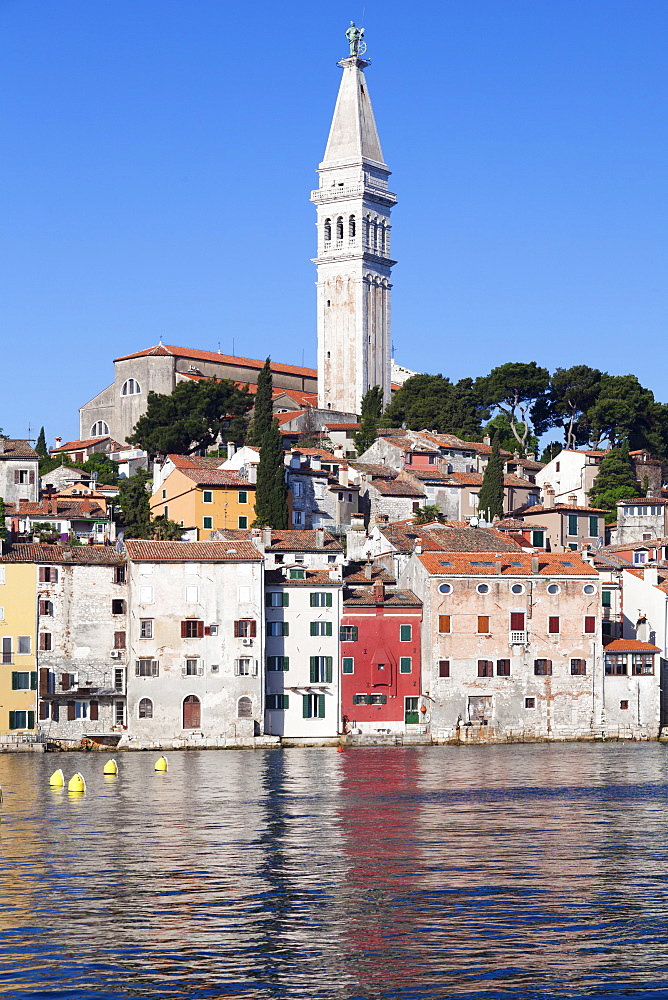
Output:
(111, 767)
(76, 783)
(57, 779)
(161, 764)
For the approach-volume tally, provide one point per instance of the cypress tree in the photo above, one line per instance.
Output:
(3, 528)
(263, 413)
(372, 408)
(40, 447)
(271, 497)
(615, 481)
(490, 501)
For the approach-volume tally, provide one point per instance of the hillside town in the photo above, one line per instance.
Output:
(237, 552)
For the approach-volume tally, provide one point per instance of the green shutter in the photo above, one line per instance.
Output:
(305, 706)
(605, 598)
(328, 628)
(312, 599)
(15, 680)
(405, 665)
(572, 524)
(286, 701)
(31, 720)
(328, 669)
(286, 599)
(313, 628)
(383, 699)
(12, 723)
(33, 680)
(328, 601)
(405, 633)
(348, 664)
(321, 706)
(314, 670)
(286, 628)
(286, 663)
(593, 527)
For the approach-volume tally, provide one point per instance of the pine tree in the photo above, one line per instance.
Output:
(615, 481)
(40, 447)
(263, 413)
(372, 408)
(3, 528)
(271, 497)
(490, 501)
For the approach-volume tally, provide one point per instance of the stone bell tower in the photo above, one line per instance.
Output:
(354, 265)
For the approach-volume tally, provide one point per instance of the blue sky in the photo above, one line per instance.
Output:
(159, 157)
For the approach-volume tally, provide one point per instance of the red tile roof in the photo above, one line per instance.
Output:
(217, 477)
(631, 646)
(375, 471)
(26, 552)
(87, 443)
(558, 509)
(475, 479)
(312, 578)
(644, 502)
(65, 508)
(396, 488)
(512, 564)
(17, 449)
(196, 461)
(343, 427)
(453, 536)
(391, 599)
(229, 551)
(283, 418)
(289, 540)
(163, 350)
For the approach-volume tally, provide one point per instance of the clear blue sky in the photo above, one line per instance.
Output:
(158, 158)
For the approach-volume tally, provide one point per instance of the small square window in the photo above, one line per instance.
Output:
(207, 523)
(207, 496)
(529, 702)
(624, 705)
(444, 668)
(243, 521)
(146, 628)
(243, 497)
(405, 665)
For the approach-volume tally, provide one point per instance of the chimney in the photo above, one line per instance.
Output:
(316, 463)
(231, 448)
(266, 537)
(2, 445)
(256, 538)
(497, 567)
(531, 456)
(295, 460)
(59, 441)
(46, 505)
(382, 518)
(651, 575)
(534, 565)
(650, 492)
(572, 500)
(319, 538)
(378, 591)
(53, 504)
(368, 566)
(548, 495)
(418, 547)
(85, 505)
(343, 476)
(487, 440)
(339, 451)
(357, 522)
(251, 473)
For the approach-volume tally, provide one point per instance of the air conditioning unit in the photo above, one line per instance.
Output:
(246, 642)
(115, 654)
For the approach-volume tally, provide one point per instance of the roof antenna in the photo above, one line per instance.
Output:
(219, 347)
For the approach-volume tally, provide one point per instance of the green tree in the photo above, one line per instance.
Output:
(500, 424)
(107, 471)
(3, 514)
(263, 414)
(271, 496)
(514, 389)
(572, 393)
(40, 447)
(372, 408)
(551, 451)
(428, 514)
(194, 416)
(491, 497)
(134, 506)
(615, 481)
(165, 530)
(624, 409)
(432, 402)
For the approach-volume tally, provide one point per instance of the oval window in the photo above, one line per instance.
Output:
(517, 588)
(483, 588)
(589, 588)
(445, 588)
(554, 588)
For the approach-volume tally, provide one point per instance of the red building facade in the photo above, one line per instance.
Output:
(381, 669)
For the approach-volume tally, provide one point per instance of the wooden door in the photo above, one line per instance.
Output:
(191, 712)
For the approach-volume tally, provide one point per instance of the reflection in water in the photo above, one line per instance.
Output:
(509, 871)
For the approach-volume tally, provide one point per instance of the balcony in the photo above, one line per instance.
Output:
(518, 638)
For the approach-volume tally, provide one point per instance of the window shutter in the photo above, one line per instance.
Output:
(154, 668)
(71, 711)
(444, 623)
(15, 680)
(200, 668)
(286, 628)
(286, 600)
(237, 630)
(43, 710)
(483, 623)
(16, 476)
(548, 665)
(286, 663)
(313, 676)
(33, 680)
(200, 630)
(554, 623)
(55, 711)
(328, 600)
(94, 711)
(31, 477)
(590, 624)
(517, 621)
(12, 724)
(42, 574)
(253, 628)
(43, 680)
(207, 630)
(444, 668)
(53, 576)
(312, 600)
(305, 706)
(321, 706)
(328, 668)
(314, 626)
(236, 668)
(184, 629)
(286, 701)
(31, 719)
(65, 681)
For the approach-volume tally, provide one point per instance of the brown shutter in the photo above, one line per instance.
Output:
(207, 630)
(553, 623)
(590, 624)
(71, 711)
(200, 630)
(55, 711)
(184, 630)
(237, 630)
(483, 623)
(65, 682)
(119, 640)
(16, 476)
(43, 710)
(517, 621)
(94, 711)
(31, 477)
(43, 681)
(253, 628)
(54, 575)
(444, 623)
(42, 574)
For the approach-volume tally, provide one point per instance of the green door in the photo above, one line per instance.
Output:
(411, 713)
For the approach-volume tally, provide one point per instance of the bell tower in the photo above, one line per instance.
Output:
(354, 265)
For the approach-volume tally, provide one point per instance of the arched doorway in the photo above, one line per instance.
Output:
(192, 714)
(245, 708)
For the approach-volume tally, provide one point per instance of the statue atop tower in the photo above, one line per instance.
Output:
(354, 265)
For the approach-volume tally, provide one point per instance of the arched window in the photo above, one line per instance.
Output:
(145, 708)
(328, 230)
(339, 228)
(245, 708)
(99, 429)
(351, 227)
(372, 234)
(381, 238)
(192, 714)
(131, 387)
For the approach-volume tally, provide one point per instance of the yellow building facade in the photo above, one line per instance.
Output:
(205, 499)
(18, 657)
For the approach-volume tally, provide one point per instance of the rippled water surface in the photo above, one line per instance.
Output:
(510, 871)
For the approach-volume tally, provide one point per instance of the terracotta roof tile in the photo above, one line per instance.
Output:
(343, 427)
(217, 477)
(644, 502)
(17, 449)
(453, 536)
(631, 646)
(313, 578)
(289, 540)
(186, 352)
(517, 524)
(392, 599)
(396, 488)
(195, 461)
(65, 508)
(516, 564)
(24, 552)
(375, 471)
(86, 443)
(354, 573)
(230, 551)
(557, 509)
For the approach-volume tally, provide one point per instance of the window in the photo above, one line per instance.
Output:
(624, 705)
(643, 663)
(45, 643)
(615, 664)
(572, 524)
(297, 518)
(553, 589)
(606, 596)
(164, 494)
(193, 667)
(131, 387)
(297, 574)
(405, 665)
(445, 588)
(351, 227)
(589, 589)
(321, 600)
(347, 665)
(118, 607)
(146, 595)
(589, 625)
(214, 668)
(119, 574)
(339, 228)
(328, 232)
(243, 521)
(276, 599)
(296, 489)
(578, 667)
(444, 668)
(529, 702)
(24, 645)
(542, 668)
(244, 667)
(207, 525)
(313, 706)
(517, 588)
(145, 708)
(119, 679)
(503, 668)
(246, 628)
(191, 628)
(321, 628)
(639, 557)
(207, 496)
(538, 539)
(48, 574)
(21, 720)
(7, 650)
(99, 429)
(348, 633)
(145, 628)
(278, 702)
(483, 624)
(485, 668)
(278, 628)
(165, 511)
(278, 663)
(243, 496)
(361, 699)
(483, 588)
(320, 669)
(377, 699)
(593, 527)
(146, 668)
(553, 624)
(405, 633)
(24, 680)
(444, 624)
(119, 640)
(517, 619)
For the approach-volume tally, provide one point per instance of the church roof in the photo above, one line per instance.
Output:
(221, 359)
(353, 134)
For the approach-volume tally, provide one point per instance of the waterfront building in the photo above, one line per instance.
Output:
(18, 664)
(196, 642)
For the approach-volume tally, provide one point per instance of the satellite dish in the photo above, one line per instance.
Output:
(474, 522)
